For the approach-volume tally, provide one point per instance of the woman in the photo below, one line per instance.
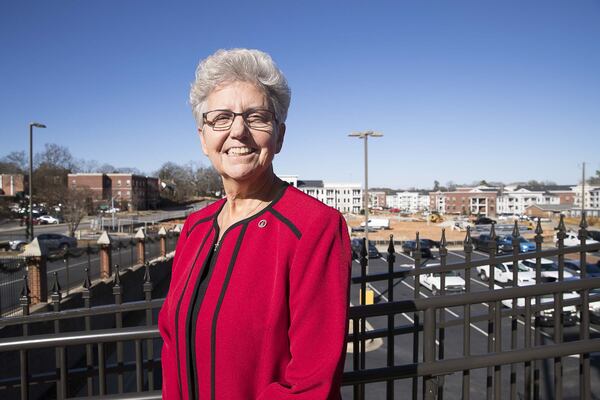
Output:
(257, 307)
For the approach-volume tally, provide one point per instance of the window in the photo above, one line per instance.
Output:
(128, 182)
(119, 182)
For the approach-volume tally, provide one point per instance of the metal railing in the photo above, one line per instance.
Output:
(120, 358)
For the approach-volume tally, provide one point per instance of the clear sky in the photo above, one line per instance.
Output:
(462, 90)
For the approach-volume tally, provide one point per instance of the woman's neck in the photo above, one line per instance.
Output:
(245, 199)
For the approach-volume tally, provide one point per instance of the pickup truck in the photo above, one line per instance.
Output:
(453, 282)
(503, 273)
(571, 239)
(377, 223)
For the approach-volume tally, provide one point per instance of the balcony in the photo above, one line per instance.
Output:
(103, 342)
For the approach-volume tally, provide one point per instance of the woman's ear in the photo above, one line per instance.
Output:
(280, 136)
(202, 141)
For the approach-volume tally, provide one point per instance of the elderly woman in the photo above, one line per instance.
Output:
(257, 307)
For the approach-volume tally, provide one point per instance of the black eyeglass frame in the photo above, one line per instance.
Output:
(243, 114)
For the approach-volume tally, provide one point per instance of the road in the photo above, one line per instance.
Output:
(453, 343)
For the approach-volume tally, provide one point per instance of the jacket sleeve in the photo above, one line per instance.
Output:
(318, 301)
(170, 389)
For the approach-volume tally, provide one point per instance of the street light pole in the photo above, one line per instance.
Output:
(30, 221)
(365, 135)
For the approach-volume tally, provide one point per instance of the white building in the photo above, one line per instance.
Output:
(345, 197)
(515, 199)
(591, 200)
(410, 202)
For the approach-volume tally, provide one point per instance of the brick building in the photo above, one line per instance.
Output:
(480, 200)
(131, 191)
(11, 184)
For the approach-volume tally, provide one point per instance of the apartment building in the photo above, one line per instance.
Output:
(410, 202)
(345, 197)
(135, 192)
(377, 199)
(591, 200)
(480, 200)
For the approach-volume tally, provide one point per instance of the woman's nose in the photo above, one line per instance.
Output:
(238, 127)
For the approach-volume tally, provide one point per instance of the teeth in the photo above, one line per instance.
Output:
(239, 151)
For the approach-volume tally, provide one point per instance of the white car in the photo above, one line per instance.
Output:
(571, 239)
(48, 219)
(453, 282)
(547, 316)
(548, 269)
(503, 273)
(595, 307)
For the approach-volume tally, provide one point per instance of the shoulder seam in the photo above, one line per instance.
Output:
(287, 222)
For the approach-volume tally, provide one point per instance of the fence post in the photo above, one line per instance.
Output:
(36, 271)
(140, 237)
(162, 234)
(105, 255)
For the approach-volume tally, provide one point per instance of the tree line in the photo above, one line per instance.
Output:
(51, 166)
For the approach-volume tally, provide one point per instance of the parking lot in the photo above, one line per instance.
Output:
(452, 344)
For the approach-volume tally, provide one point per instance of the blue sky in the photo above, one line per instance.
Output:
(462, 90)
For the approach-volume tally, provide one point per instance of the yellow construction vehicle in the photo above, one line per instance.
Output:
(435, 217)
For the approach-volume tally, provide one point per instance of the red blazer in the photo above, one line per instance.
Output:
(262, 314)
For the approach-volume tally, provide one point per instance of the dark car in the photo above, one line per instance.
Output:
(574, 266)
(50, 241)
(410, 248)
(432, 243)
(484, 221)
(483, 242)
(357, 245)
(594, 235)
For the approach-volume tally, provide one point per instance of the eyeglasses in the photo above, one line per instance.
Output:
(257, 119)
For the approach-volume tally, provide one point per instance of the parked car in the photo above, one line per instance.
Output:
(432, 243)
(503, 273)
(505, 244)
(484, 221)
(546, 317)
(410, 248)
(50, 241)
(362, 229)
(482, 242)
(453, 282)
(48, 219)
(595, 307)
(574, 267)
(548, 269)
(594, 235)
(572, 239)
(357, 244)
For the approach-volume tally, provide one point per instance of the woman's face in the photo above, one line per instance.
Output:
(240, 153)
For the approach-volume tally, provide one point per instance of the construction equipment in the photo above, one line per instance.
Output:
(435, 217)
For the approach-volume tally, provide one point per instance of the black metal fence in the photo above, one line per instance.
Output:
(91, 360)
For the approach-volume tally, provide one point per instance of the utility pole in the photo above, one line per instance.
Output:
(583, 189)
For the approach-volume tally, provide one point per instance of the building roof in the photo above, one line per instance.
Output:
(552, 207)
(315, 184)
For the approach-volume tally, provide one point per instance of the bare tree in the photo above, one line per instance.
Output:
(14, 163)
(57, 156)
(77, 204)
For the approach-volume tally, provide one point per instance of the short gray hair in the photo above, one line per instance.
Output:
(246, 65)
